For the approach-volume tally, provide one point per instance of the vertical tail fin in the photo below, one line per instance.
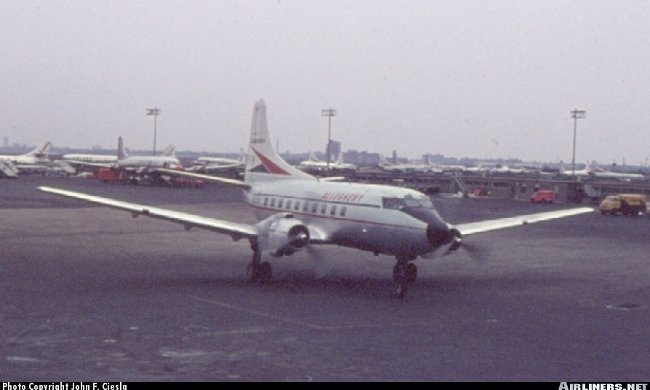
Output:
(42, 150)
(170, 151)
(121, 150)
(263, 163)
(339, 161)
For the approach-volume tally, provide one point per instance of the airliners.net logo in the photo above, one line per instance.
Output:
(603, 386)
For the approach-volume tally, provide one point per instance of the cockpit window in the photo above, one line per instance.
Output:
(393, 203)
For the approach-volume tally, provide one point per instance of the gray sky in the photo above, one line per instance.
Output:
(463, 78)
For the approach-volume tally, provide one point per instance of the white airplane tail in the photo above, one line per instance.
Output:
(263, 163)
(170, 151)
(121, 150)
(594, 167)
(42, 150)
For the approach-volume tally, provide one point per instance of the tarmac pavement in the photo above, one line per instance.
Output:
(91, 294)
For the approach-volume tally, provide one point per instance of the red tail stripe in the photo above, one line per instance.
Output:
(270, 165)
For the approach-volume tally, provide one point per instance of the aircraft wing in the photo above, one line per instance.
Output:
(215, 179)
(236, 230)
(467, 229)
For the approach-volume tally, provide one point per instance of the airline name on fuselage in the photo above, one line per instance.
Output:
(342, 197)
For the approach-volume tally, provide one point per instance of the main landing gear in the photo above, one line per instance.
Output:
(258, 271)
(404, 274)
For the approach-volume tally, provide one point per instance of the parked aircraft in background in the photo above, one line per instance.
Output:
(494, 168)
(37, 159)
(297, 210)
(74, 158)
(144, 164)
(395, 166)
(593, 170)
(313, 164)
(217, 164)
(107, 160)
(122, 160)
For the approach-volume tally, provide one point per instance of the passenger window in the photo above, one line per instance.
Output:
(266, 201)
(297, 205)
(333, 210)
(272, 202)
(314, 207)
(288, 204)
(343, 210)
(305, 206)
(280, 203)
(323, 208)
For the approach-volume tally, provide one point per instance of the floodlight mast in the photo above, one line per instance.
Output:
(329, 112)
(155, 112)
(575, 114)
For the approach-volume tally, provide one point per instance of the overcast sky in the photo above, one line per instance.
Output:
(472, 78)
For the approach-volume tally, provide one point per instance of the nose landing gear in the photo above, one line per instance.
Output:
(404, 274)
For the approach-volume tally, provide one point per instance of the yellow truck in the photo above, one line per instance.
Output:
(626, 204)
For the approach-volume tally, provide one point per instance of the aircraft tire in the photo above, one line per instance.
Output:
(399, 273)
(411, 273)
(264, 272)
(259, 274)
(251, 273)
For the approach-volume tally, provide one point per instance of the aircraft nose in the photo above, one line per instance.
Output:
(439, 234)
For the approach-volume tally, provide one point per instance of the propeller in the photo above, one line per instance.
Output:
(450, 209)
(477, 252)
(321, 264)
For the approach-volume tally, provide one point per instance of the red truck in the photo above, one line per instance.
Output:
(543, 196)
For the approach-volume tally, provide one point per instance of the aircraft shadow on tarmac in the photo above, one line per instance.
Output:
(299, 282)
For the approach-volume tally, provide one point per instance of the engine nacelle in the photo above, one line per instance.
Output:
(449, 243)
(282, 234)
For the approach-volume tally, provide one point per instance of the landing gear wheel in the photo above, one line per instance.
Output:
(399, 272)
(260, 273)
(411, 273)
(404, 274)
(250, 272)
(264, 272)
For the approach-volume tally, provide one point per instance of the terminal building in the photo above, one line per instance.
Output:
(520, 186)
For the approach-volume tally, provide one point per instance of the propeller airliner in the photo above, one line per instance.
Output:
(296, 210)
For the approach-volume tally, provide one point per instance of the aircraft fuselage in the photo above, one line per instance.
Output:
(381, 219)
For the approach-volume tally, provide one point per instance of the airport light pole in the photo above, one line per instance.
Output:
(575, 114)
(155, 112)
(329, 112)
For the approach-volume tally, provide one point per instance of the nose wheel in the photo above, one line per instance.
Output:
(404, 274)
